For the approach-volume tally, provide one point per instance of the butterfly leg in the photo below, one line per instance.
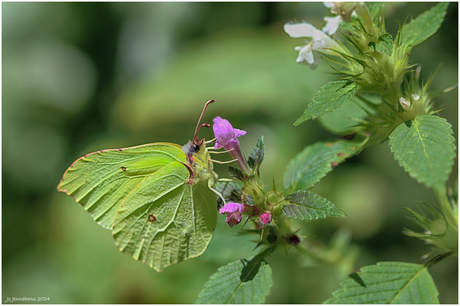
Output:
(192, 174)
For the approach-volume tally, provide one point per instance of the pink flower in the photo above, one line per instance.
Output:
(265, 218)
(233, 211)
(226, 137)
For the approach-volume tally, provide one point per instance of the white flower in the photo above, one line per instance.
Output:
(344, 9)
(332, 24)
(320, 42)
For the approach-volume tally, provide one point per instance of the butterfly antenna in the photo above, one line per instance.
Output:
(202, 125)
(198, 127)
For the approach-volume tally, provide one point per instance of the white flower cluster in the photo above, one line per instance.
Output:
(320, 40)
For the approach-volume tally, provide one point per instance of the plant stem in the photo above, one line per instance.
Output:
(446, 208)
(437, 259)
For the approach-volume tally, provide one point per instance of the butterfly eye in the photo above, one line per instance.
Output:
(195, 145)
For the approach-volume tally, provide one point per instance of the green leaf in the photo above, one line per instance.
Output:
(144, 196)
(375, 9)
(257, 155)
(425, 148)
(239, 282)
(314, 162)
(385, 44)
(230, 190)
(236, 173)
(331, 96)
(425, 25)
(388, 283)
(308, 206)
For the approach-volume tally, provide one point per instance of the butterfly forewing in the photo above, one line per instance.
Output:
(100, 181)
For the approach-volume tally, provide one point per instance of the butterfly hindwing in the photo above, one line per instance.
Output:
(166, 220)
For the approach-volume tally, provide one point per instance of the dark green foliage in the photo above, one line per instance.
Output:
(239, 282)
(308, 206)
(388, 283)
(257, 155)
(425, 148)
(331, 96)
(315, 161)
(422, 27)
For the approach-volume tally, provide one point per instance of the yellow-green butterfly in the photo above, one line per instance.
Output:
(156, 198)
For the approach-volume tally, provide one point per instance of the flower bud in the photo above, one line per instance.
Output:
(293, 239)
(404, 103)
(265, 218)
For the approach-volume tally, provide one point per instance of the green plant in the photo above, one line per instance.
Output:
(153, 222)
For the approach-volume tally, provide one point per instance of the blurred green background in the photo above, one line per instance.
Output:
(78, 77)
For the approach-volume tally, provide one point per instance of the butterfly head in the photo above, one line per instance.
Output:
(192, 148)
(195, 147)
(198, 161)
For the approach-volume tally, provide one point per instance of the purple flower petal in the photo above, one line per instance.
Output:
(233, 211)
(231, 207)
(239, 133)
(224, 131)
(226, 136)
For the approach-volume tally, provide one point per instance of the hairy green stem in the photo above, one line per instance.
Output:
(437, 259)
(446, 208)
